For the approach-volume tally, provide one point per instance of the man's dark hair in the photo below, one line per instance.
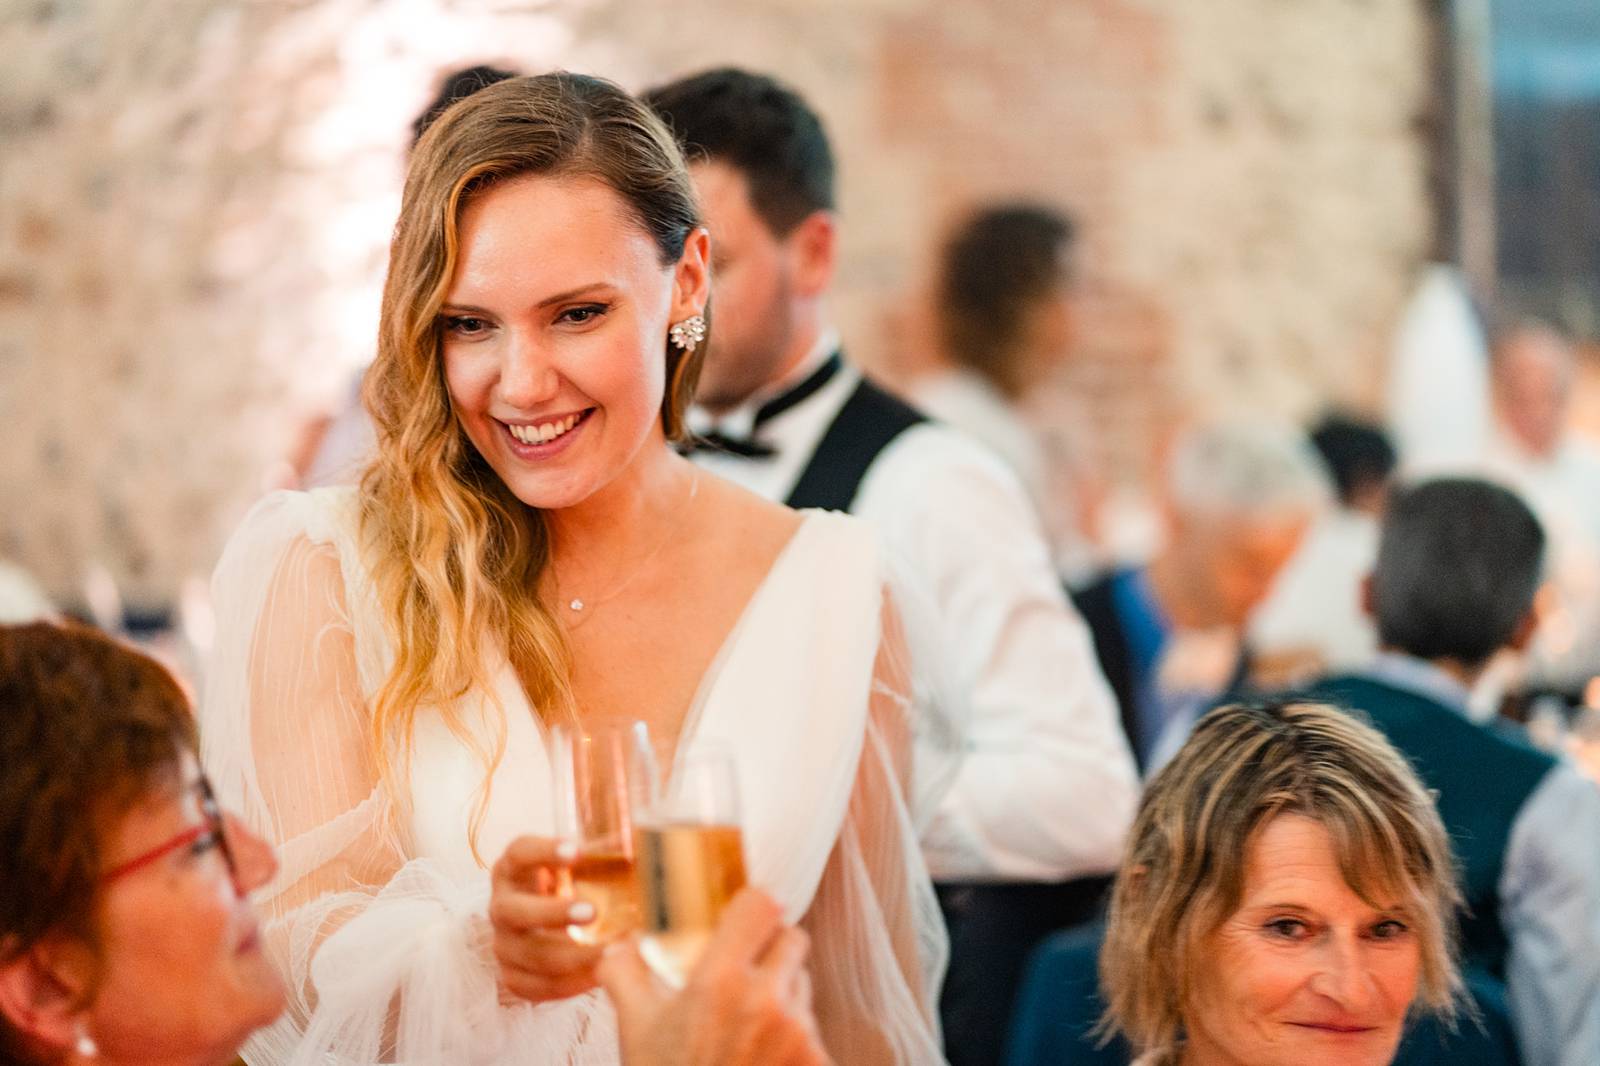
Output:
(1000, 263)
(1358, 454)
(1459, 561)
(761, 128)
(458, 85)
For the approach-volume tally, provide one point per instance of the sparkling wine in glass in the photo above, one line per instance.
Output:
(600, 770)
(690, 860)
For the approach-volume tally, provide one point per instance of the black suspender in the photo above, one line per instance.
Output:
(864, 426)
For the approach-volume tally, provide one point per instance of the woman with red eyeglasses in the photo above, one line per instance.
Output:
(126, 931)
(125, 928)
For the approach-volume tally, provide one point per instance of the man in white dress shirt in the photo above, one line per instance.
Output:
(1047, 786)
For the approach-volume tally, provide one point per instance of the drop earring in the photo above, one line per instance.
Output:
(688, 334)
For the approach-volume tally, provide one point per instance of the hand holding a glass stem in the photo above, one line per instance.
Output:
(538, 959)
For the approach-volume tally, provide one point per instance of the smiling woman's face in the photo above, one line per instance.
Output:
(1304, 970)
(554, 334)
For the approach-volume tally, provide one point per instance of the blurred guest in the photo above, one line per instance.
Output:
(337, 448)
(1287, 897)
(1534, 367)
(1238, 499)
(1314, 619)
(1458, 565)
(125, 931)
(1535, 451)
(1002, 305)
(1046, 783)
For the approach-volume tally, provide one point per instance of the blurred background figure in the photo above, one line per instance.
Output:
(1536, 450)
(1535, 442)
(1314, 617)
(1533, 372)
(1238, 500)
(1002, 310)
(1458, 565)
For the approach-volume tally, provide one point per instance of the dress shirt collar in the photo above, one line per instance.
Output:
(793, 435)
(1419, 677)
(740, 422)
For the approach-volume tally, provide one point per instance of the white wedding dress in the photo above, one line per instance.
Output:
(377, 918)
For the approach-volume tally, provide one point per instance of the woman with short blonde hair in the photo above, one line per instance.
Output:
(1288, 885)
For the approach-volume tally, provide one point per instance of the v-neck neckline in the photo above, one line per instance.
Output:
(810, 519)
(692, 717)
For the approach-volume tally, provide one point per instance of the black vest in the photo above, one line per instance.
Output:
(1482, 779)
(869, 420)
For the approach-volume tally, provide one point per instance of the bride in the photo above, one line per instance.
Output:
(527, 549)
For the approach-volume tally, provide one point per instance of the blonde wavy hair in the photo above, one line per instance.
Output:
(1183, 870)
(456, 557)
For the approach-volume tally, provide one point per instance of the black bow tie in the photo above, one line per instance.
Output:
(750, 447)
(742, 447)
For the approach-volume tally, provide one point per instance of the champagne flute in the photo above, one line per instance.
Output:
(690, 861)
(599, 772)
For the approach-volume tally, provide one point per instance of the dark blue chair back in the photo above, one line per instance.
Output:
(1059, 1005)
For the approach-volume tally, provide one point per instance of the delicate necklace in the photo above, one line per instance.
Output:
(578, 605)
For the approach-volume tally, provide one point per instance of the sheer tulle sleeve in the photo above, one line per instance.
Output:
(878, 941)
(386, 954)
(385, 958)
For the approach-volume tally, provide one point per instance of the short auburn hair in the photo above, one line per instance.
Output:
(1183, 870)
(88, 728)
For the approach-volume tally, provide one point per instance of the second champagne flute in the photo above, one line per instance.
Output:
(599, 771)
(690, 861)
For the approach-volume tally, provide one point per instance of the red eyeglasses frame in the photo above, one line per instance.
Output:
(214, 824)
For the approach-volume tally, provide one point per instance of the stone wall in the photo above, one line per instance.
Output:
(195, 197)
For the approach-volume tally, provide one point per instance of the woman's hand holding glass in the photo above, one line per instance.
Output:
(600, 772)
(639, 854)
(538, 959)
(555, 903)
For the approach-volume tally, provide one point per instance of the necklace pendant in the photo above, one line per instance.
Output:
(576, 605)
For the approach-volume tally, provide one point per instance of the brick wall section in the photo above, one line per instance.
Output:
(195, 198)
